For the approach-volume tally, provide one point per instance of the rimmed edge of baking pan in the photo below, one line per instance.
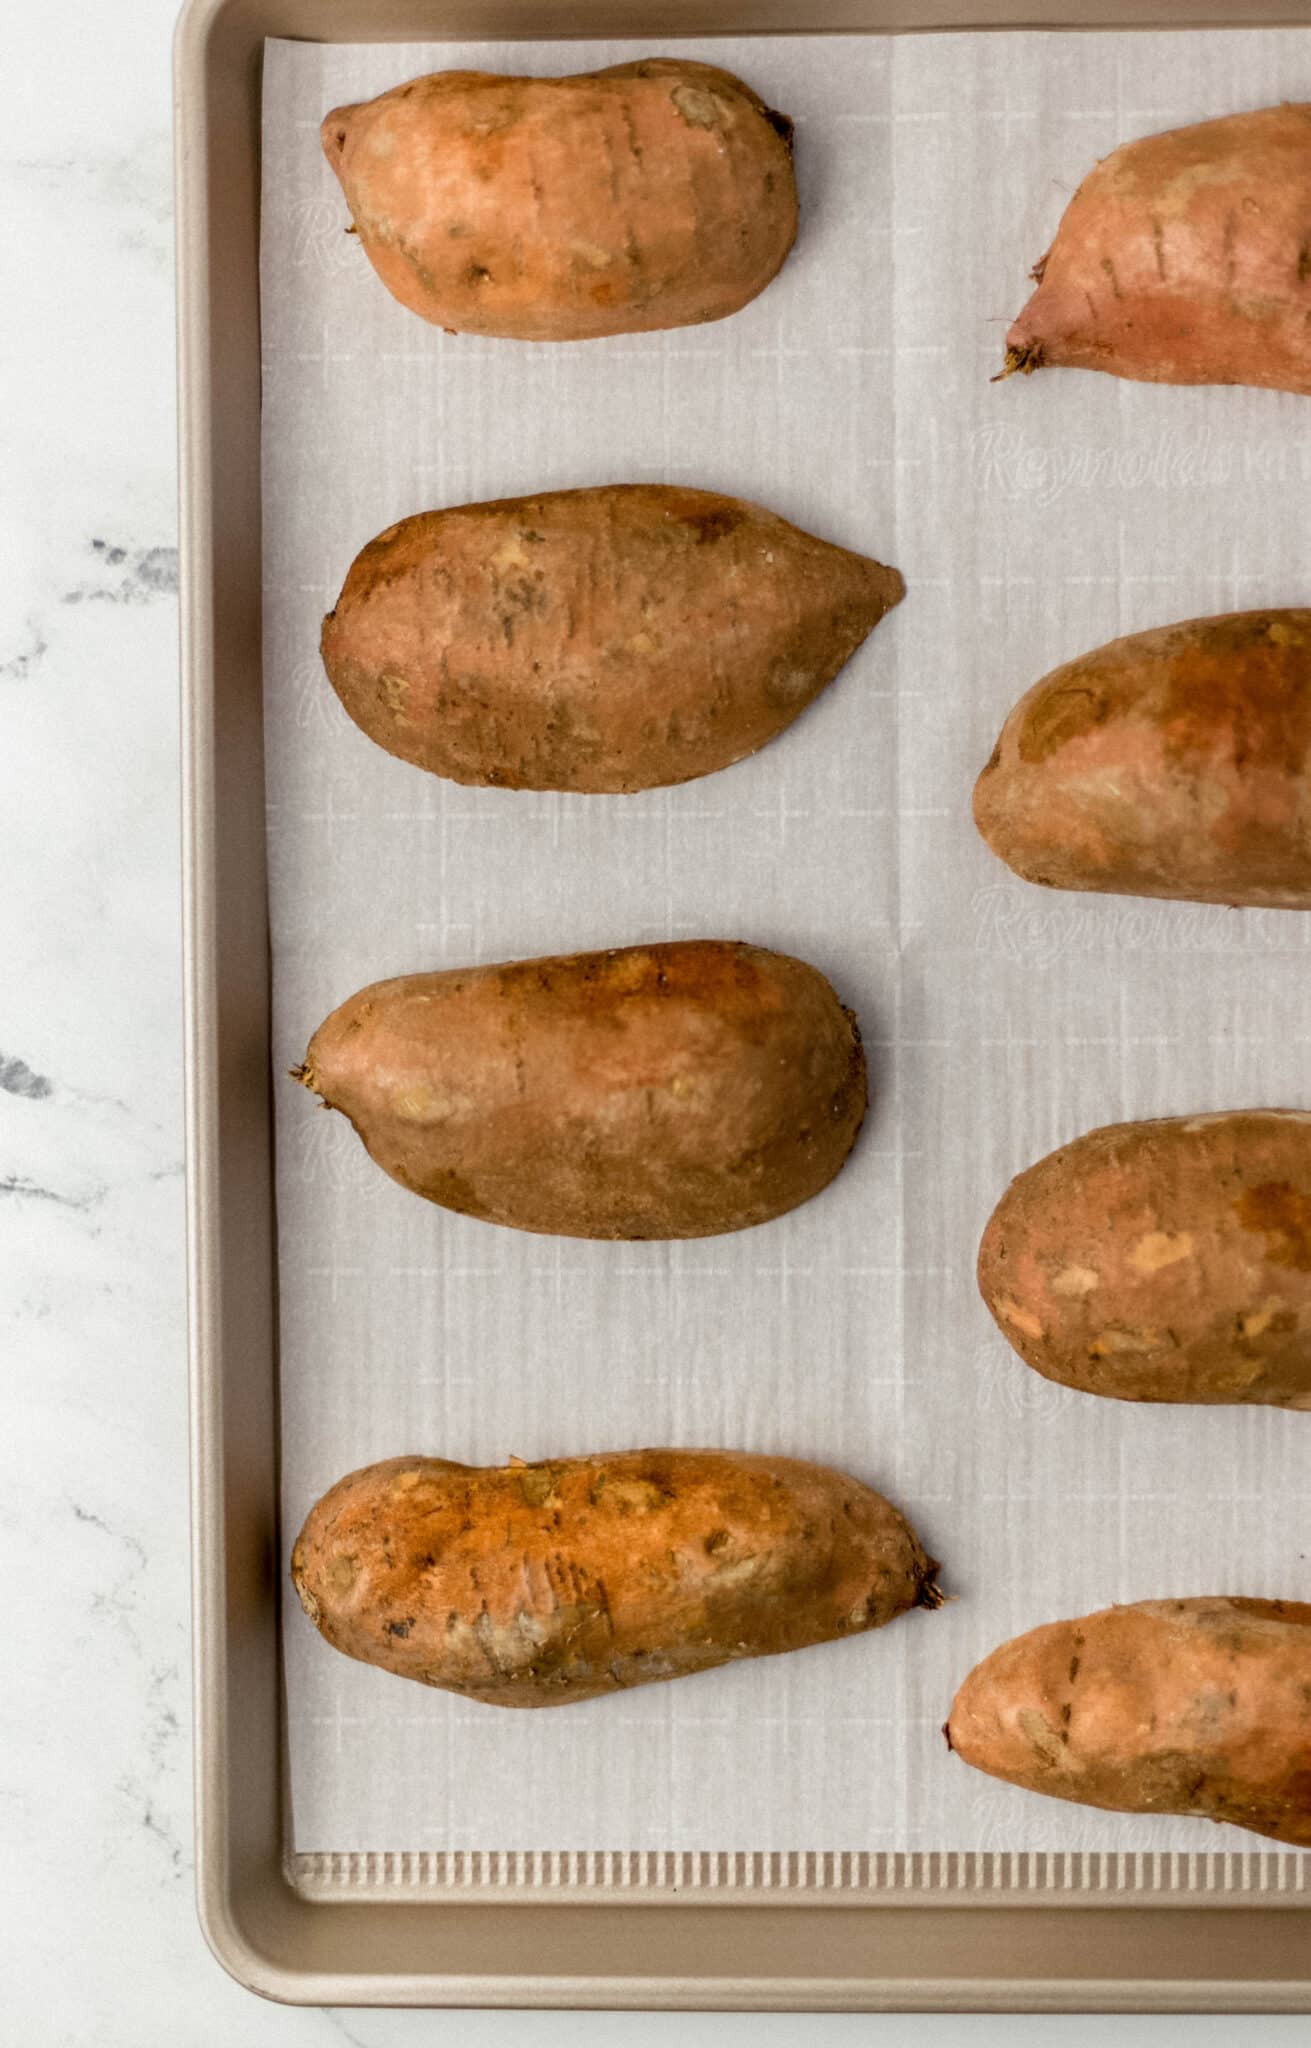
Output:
(1005, 1933)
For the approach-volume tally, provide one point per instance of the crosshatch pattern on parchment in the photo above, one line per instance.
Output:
(1031, 520)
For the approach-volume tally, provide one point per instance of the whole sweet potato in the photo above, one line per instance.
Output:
(1168, 1706)
(657, 1091)
(652, 194)
(610, 639)
(1163, 1261)
(1175, 762)
(535, 1585)
(1184, 258)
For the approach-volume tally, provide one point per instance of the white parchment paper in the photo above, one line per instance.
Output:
(1031, 519)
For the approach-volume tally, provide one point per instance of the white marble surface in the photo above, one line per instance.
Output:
(99, 1946)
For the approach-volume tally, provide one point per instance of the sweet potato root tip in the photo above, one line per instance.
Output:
(1026, 360)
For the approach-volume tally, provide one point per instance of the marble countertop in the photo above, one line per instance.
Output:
(99, 1943)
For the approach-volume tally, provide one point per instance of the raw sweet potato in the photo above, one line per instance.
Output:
(536, 1585)
(657, 1091)
(653, 194)
(1168, 1706)
(1184, 258)
(1175, 762)
(1163, 1261)
(610, 639)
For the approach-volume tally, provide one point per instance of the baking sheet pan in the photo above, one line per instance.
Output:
(422, 1949)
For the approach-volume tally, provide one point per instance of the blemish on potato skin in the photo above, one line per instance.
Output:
(591, 256)
(1157, 1249)
(1230, 248)
(1240, 689)
(1075, 1281)
(306, 1598)
(1021, 1318)
(1116, 1340)
(713, 524)
(537, 1485)
(1282, 1215)
(1061, 715)
(696, 106)
(341, 1573)
(1042, 1738)
(394, 692)
(1273, 1320)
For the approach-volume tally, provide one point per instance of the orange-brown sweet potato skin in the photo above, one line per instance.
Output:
(652, 194)
(1170, 1706)
(1175, 762)
(537, 1585)
(654, 1092)
(612, 639)
(1184, 258)
(1163, 1261)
